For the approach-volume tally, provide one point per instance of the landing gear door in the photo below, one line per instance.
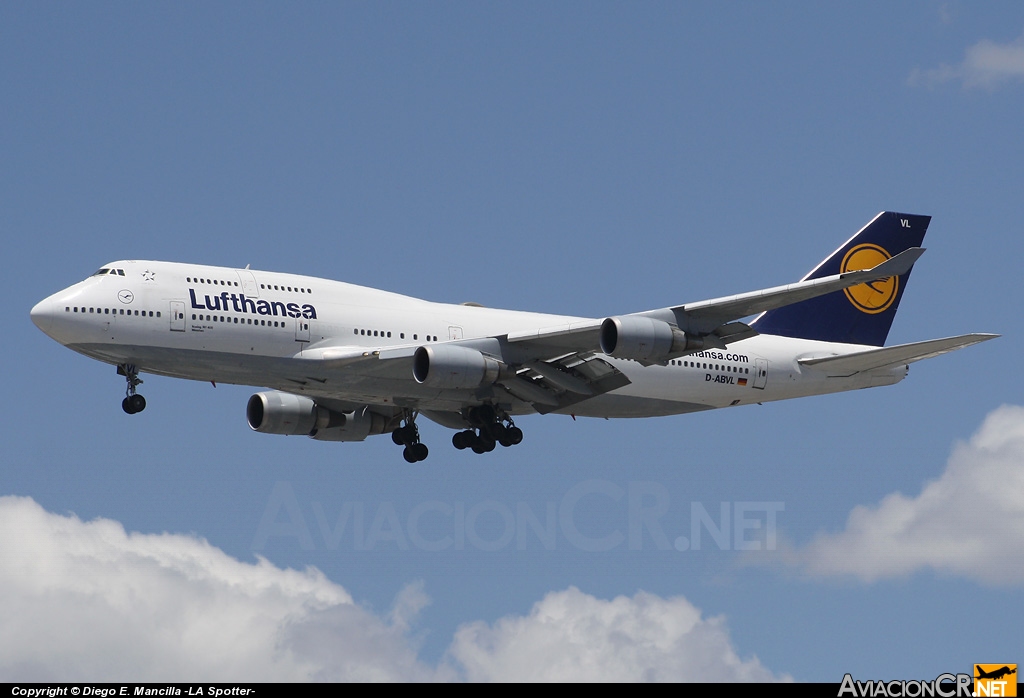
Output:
(177, 316)
(760, 373)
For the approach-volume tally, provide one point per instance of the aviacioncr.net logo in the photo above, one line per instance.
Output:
(875, 296)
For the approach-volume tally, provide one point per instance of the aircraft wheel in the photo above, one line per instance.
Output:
(487, 440)
(459, 440)
(408, 454)
(396, 437)
(515, 435)
(479, 447)
(420, 451)
(126, 405)
(138, 403)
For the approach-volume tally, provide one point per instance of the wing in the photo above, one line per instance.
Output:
(547, 378)
(716, 322)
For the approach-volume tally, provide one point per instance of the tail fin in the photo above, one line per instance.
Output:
(861, 314)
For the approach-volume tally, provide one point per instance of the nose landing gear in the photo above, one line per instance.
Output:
(133, 402)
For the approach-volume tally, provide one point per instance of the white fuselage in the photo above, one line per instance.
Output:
(268, 329)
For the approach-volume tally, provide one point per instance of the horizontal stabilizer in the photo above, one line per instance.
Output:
(849, 364)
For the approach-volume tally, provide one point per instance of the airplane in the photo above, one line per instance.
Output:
(995, 674)
(343, 362)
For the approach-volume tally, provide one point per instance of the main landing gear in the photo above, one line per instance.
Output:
(408, 435)
(488, 428)
(133, 402)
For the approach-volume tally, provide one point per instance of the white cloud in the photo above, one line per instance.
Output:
(986, 64)
(969, 522)
(572, 636)
(88, 601)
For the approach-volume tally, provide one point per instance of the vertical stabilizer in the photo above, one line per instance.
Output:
(862, 314)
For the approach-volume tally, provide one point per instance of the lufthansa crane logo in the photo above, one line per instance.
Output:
(874, 296)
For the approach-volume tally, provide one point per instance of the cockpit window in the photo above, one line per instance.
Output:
(101, 272)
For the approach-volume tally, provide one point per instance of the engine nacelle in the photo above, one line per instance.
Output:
(275, 412)
(645, 339)
(447, 366)
(281, 413)
(354, 426)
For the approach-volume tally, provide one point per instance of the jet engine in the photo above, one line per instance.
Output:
(276, 412)
(447, 366)
(645, 339)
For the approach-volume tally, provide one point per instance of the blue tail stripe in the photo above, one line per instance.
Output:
(860, 316)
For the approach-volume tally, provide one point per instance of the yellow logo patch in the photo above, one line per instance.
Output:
(875, 296)
(995, 680)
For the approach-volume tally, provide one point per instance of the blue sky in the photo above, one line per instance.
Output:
(578, 158)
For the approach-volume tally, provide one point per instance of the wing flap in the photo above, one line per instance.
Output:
(849, 364)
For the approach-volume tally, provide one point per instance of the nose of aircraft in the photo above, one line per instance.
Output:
(42, 315)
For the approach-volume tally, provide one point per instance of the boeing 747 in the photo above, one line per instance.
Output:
(344, 362)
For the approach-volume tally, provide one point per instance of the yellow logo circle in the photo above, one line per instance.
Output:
(874, 296)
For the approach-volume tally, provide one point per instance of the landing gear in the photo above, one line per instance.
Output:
(133, 402)
(488, 428)
(408, 435)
